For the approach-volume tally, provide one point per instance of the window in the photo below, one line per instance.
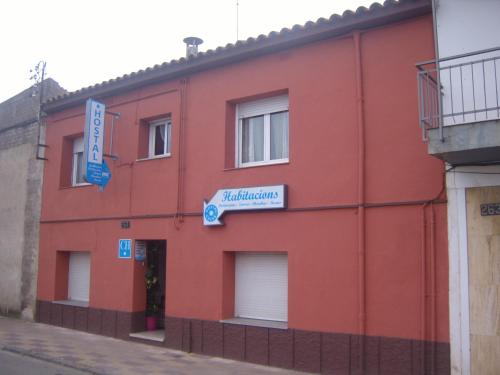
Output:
(77, 174)
(261, 286)
(262, 129)
(79, 276)
(160, 138)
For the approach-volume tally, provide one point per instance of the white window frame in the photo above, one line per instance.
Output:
(262, 107)
(167, 140)
(77, 149)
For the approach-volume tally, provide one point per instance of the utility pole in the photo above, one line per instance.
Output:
(237, 19)
(38, 76)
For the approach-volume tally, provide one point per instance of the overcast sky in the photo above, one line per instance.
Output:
(86, 42)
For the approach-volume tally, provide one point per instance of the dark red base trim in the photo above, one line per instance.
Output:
(111, 323)
(317, 352)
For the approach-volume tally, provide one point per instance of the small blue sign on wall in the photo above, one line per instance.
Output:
(140, 250)
(124, 249)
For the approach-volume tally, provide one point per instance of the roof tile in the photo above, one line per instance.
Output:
(334, 20)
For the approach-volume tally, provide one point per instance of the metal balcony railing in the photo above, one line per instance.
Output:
(470, 88)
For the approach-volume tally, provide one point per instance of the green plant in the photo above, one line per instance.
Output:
(150, 278)
(152, 309)
(152, 300)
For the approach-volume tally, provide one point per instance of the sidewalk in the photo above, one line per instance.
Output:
(103, 355)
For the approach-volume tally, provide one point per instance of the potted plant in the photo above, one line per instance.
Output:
(152, 316)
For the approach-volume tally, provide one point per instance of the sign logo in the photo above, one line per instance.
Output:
(243, 199)
(124, 249)
(211, 213)
(105, 174)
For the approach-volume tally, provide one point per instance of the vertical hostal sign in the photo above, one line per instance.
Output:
(93, 142)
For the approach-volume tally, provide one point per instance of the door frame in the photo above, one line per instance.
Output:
(457, 181)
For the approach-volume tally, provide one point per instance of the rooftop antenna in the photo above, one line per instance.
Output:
(237, 19)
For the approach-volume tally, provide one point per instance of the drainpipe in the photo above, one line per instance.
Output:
(179, 216)
(361, 199)
(432, 276)
(432, 294)
(433, 288)
(423, 280)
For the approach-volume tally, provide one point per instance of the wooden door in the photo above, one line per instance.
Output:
(483, 231)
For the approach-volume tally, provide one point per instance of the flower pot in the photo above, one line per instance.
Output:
(151, 323)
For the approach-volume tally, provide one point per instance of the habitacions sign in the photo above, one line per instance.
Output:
(243, 199)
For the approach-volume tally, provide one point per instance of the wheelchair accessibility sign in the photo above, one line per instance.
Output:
(124, 249)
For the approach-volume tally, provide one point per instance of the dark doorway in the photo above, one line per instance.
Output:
(156, 256)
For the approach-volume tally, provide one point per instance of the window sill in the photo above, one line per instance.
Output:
(75, 186)
(155, 157)
(69, 302)
(240, 167)
(256, 323)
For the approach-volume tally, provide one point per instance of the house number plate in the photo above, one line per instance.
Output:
(489, 209)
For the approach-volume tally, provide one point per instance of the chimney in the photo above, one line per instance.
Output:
(192, 44)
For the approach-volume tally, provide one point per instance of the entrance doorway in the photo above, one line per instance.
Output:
(149, 290)
(154, 283)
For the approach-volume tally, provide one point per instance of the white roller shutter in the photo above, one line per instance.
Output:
(79, 276)
(77, 145)
(262, 106)
(261, 290)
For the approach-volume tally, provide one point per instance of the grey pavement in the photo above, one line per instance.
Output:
(94, 354)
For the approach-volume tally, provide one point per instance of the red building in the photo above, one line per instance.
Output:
(349, 277)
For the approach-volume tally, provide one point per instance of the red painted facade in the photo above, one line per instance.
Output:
(355, 149)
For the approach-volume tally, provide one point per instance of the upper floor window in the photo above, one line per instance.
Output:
(77, 170)
(262, 131)
(160, 138)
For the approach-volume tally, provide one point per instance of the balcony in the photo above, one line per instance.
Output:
(461, 121)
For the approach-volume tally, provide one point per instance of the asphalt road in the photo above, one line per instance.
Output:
(17, 364)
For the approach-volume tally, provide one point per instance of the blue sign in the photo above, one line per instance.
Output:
(243, 199)
(105, 175)
(95, 169)
(124, 249)
(140, 250)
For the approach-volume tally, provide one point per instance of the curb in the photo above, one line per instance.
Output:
(42, 357)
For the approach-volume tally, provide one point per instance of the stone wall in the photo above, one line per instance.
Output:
(21, 175)
(20, 189)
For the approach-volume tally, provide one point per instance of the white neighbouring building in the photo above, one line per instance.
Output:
(466, 134)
